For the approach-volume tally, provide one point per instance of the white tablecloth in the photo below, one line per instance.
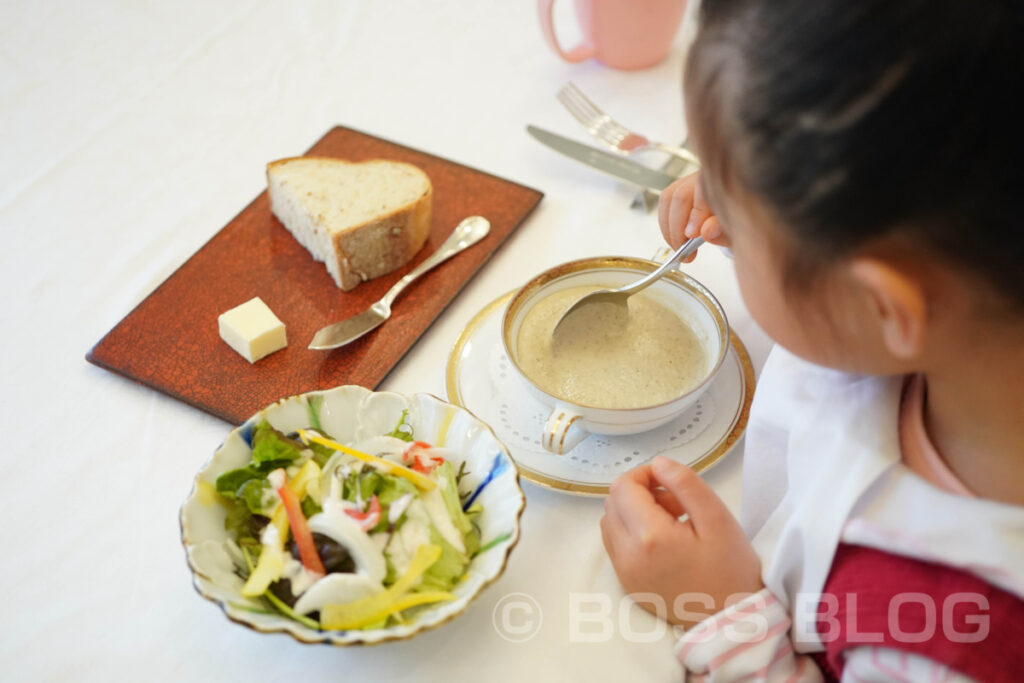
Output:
(131, 133)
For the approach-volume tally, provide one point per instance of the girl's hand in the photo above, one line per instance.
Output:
(695, 564)
(683, 213)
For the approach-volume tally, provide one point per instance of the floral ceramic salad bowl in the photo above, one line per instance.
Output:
(350, 516)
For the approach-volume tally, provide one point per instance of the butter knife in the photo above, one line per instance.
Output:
(607, 162)
(466, 234)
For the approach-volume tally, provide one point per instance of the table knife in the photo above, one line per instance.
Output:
(606, 162)
(466, 234)
(675, 166)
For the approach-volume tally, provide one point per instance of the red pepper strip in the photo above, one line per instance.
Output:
(300, 530)
(426, 467)
(413, 449)
(368, 519)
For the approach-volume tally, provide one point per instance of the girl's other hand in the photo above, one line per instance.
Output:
(683, 213)
(695, 565)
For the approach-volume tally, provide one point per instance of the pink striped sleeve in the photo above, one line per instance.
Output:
(748, 640)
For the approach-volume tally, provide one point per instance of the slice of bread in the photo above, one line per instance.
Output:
(362, 220)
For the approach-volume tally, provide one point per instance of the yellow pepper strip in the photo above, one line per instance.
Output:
(271, 563)
(280, 520)
(373, 608)
(422, 482)
(426, 555)
(305, 476)
(268, 569)
(344, 617)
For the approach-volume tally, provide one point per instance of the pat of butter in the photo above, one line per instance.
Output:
(252, 330)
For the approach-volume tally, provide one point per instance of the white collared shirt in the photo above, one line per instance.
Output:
(822, 466)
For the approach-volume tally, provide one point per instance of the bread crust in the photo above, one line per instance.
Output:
(375, 247)
(380, 246)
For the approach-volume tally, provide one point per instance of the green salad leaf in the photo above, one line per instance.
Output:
(310, 507)
(229, 483)
(270, 449)
(239, 523)
(449, 489)
(314, 403)
(270, 445)
(254, 494)
(403, 430)
(393, 488)
(448, 568)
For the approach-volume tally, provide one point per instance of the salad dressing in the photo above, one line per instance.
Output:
(398, 508)
(300, 577)
(276, 479)
(411, 535)
(270, 536)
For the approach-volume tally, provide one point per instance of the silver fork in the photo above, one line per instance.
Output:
(613, 134)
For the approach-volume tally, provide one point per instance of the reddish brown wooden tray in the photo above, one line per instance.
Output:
(170, 341)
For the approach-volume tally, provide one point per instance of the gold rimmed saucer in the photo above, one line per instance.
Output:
(469, 385)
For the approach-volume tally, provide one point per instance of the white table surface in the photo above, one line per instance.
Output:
(132, 132)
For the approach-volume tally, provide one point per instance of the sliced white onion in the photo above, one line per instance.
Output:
(383, 447)
(438, 512)
(336, 589)
(335, 524)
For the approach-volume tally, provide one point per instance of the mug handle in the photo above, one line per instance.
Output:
(563, 431)
(578, 54)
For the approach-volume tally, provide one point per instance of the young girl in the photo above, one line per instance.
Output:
(862, 161)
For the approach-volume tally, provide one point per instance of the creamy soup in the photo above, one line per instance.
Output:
(653, 359)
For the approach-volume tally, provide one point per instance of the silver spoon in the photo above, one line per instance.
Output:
(612, 302)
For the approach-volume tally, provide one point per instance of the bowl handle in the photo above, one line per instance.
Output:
(563, 430)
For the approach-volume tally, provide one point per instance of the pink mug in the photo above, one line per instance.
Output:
(624, 34)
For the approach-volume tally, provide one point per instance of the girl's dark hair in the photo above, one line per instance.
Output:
(857, 119)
